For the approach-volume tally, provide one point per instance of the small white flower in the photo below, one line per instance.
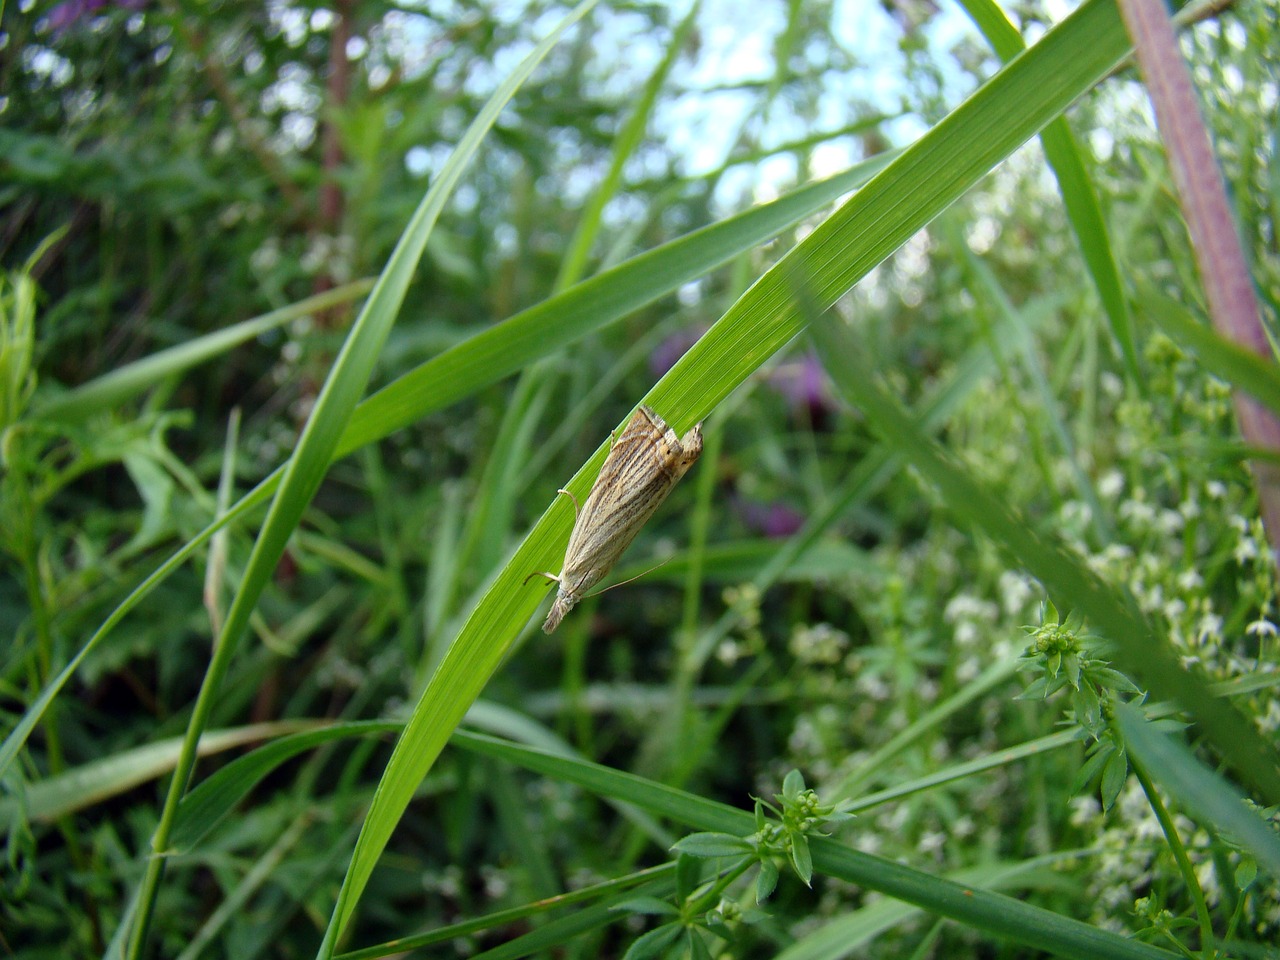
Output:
(1190, 580)
(1111, 484)
(932, 842)
(1246, 550)
(1261, 627)
(1016, 591)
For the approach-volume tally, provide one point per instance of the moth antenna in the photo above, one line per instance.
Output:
(540, 573)
(622, 583)
(577, 508)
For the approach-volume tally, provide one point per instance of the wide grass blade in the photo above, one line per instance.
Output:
(84, 786)
(1068, 580)
(990, 913)
(314, 452)
(493, 354)
(1079, 198)
(904, 197)
(1224, 358)
(1198, 788)
(115, 387)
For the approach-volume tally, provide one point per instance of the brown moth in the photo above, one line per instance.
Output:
(643, 464)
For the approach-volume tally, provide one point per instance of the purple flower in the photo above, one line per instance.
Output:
(804, 384)
(670, 350)
(775, 520)
(66, 14)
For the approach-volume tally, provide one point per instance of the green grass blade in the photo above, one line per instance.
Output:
(573, 266)
(889, 210)
(1198, 788)
(115, 387)
(17, 737)
(589, 306)
(848, 935)
(314, 452)
(1069, 582)
(654, 882)
(493, 354)
(91, 783)
(990, 913)
(1078, 195)
(216, 796)
(1237, 365)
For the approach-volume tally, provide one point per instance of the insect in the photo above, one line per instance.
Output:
(643, 465)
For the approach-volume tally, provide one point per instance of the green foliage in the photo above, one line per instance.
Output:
(279, 453)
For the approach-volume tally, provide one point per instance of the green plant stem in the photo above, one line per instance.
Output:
(712, 895)
(1179, 851)
(662, 873)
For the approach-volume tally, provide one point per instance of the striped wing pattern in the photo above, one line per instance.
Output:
(642, 467)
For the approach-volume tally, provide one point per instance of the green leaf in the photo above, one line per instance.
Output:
(114, 388)
(993, 914)
(1198, 788)
(1235, 364)
(708, 845)
(1037, 689)
(651, 906)
(206, 805)
(697, 948)
(476, 363)
(1078, 194)
(653, 943)
(1114, 775)
(80, 788)
(850, 934)
(1092, 766)
(1246, 873)
(1138, 648)
(802, 858)
(688, 875)
(766, 880)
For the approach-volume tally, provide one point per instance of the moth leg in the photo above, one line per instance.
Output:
(577, 507)
(540, 573)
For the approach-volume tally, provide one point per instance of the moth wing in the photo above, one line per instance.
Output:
(643, 465)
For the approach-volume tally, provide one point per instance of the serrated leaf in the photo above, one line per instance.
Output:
(1072, 665)
(1115, 680)
(708, 845)
(801, 858)
(766, 880)
(1087, 706)
(1114, 775)
(1092, 765)
(1037, 689)
(653, 943)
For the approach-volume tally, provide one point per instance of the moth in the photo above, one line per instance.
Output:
(642, 467)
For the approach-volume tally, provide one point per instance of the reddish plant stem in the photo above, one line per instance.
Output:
(1233, 306)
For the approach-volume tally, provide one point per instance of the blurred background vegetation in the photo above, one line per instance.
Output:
(171, 169)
